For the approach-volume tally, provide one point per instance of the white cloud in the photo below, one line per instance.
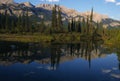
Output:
(118, 4)
(106, 70)
(112, 1)
(114, 68)
(51, 0)
(116, 75)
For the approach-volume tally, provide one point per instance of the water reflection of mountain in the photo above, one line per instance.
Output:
(52, 54)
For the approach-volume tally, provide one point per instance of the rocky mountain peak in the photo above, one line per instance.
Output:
(6, 1)
(45, 6)
(28, 4)
(96, 16)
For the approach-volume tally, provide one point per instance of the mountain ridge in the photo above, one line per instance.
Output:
(7, 1)
(45, 11)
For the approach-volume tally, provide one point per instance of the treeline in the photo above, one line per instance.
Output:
(86, 26)
(24, 24)
(13, 24)
(113, 37)
(57, 24)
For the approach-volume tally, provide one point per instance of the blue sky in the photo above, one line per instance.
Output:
(107, 7)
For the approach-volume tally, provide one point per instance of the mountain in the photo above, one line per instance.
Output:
(69, 13)
(6, 1)
(28, 4)
(44, 11)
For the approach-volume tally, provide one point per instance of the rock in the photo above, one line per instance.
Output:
(6, 1)
(28, 4)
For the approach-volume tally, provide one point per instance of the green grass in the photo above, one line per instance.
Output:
(114, 40)
(25, 38)
(37, 37)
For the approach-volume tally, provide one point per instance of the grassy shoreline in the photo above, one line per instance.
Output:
(57, 38)
(39, 37)
(25, 38)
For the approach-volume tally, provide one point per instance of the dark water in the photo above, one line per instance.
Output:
(84, 61)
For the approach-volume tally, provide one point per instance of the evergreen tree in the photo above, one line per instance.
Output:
(7, 23)
(23, 22)
(92, 28)
(79, 26)
(26, 21)
(54, 19)
(17, 29)
(59, 19)
(12, 26)
(72, 25)
(0, 21)
(91, 16)
(42, 26)
(87, 25)
(84, 25)
(69, 27)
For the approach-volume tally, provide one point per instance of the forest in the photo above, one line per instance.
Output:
(22, 28)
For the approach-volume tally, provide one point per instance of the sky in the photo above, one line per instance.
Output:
(107, 7)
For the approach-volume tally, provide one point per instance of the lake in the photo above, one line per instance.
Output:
(83, 61)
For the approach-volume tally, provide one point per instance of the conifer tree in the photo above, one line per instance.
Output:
(91, 28)
(18, 25)
(72, 25)
(91, 16)
(79, 26)
(24, 22)
(0, 20)
(27, 22)
(7, 23)
(84, 25)
(87, 25)
(59, 19)
(69, 27)
(54, 19)
(42, 26)
(12, 26)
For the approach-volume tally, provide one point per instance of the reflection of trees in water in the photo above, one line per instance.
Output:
(24, 53)
(57, 53)
(84, 49)
(119, 65)
(55, 56)
(118, 55)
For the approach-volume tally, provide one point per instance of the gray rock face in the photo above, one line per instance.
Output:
(28, 4)
(69, 13)
(6, 1)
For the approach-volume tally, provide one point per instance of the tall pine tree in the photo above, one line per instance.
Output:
(54, 19)
(60, 24)
(79, 26)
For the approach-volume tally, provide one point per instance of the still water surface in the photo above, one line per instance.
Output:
(84, 61)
